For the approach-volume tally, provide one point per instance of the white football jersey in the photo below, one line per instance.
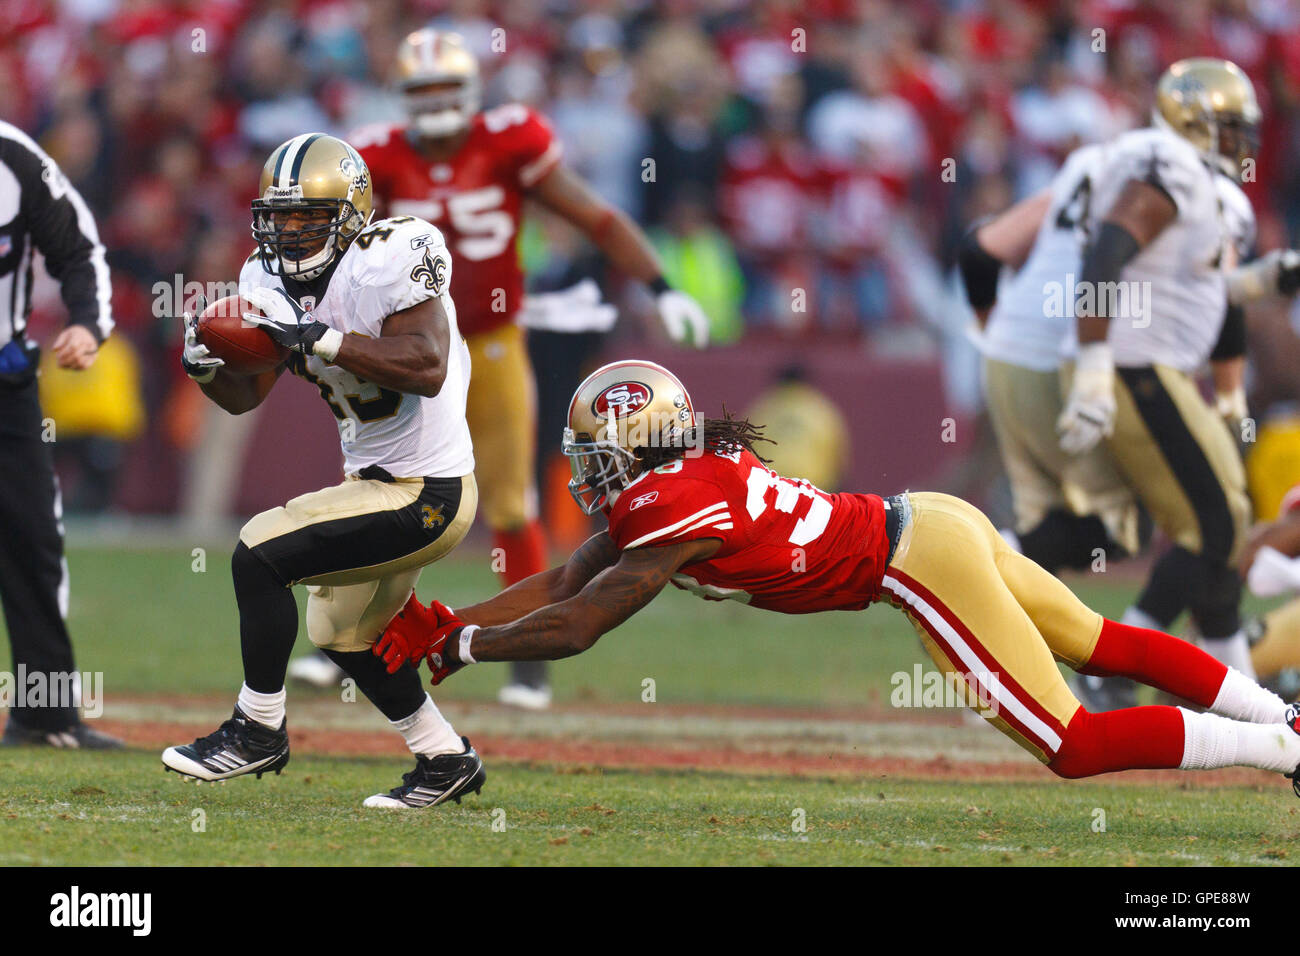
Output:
(1238, 219)
(392, 265)
(1035, 306)
(1175, 285)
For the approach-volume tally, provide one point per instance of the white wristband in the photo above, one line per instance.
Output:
(1095, 357)
(467, 635)
(328, 345)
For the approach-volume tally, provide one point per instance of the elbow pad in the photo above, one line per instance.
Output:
(979, 270)
(1103, 261)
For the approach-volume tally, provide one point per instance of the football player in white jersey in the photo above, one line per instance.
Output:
(1166, 223)
(1066, 506)
(1184, 279)
(365, 313)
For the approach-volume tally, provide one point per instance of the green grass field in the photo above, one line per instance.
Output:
(109, 810)
(158, 630)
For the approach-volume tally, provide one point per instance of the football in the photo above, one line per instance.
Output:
(244, 347)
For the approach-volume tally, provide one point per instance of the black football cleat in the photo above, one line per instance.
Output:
(434, 780)
(76, 736)
(241, 745)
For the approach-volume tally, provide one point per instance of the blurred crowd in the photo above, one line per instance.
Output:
(804, 166)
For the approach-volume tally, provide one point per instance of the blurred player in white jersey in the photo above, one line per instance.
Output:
(1166, 224)
(1158, 295)
(1066, 506)
(365, 314)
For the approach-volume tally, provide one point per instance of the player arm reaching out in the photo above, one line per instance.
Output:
(547, 587)
(625, 245)
(552, 631)
(1139, 214)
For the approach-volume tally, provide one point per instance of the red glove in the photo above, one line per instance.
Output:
(411, 633)
(444, 652)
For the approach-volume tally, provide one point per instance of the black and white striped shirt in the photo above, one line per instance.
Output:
(40, 209)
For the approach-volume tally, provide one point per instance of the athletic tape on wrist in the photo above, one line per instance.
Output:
(328, 345)
(467, 635)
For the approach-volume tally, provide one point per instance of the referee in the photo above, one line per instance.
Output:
(40, 210)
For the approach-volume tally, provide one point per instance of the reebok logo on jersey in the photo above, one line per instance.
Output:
(419, 242)
(645, 499)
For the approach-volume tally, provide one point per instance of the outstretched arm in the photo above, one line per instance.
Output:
(548, 587)
(627, 248)
(610, 229)
(610, 598)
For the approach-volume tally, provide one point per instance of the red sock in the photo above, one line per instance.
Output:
(1130, 739)
(524, 550)
(1158, 660)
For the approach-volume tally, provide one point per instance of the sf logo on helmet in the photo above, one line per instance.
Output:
(623, 399)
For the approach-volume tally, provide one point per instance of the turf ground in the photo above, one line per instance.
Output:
(769, 740)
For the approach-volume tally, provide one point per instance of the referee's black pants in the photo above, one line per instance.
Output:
(32, 571)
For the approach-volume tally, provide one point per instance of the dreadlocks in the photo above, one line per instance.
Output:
(725, 434)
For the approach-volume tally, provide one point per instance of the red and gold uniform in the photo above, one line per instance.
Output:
(786, 545)
(990, 618)
(475, 198)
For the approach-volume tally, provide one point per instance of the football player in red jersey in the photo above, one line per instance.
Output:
(468, 172)
(691, 503)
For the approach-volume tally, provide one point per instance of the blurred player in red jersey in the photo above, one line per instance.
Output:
(691, 503)
(468, 172)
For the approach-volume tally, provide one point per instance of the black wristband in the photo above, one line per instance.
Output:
(311, 334)
(659, 285)
(979, 270)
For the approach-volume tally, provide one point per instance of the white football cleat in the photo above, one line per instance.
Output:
(317, 670)
(525, 697)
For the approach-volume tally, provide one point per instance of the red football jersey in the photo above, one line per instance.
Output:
(786, 545)
(475, 198)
